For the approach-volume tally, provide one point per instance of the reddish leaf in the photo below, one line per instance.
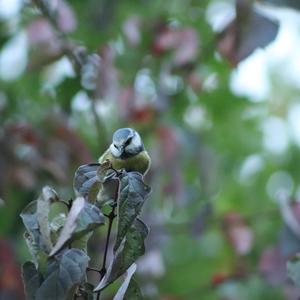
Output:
(272, 265)
(238, 233)
(39, 31)
(184, 43)
(249, 31)
(66, 18)
(11, 286)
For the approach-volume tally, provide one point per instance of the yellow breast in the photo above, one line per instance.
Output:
(140, 162)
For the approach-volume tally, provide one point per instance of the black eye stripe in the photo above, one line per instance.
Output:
(128, 141)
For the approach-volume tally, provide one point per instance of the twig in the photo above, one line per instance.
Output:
(67, 45)
(111, 218)
(73, 51)
(93, 269)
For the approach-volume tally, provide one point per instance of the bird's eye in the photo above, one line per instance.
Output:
(128, 141)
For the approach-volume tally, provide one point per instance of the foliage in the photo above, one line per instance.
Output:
(71, 72)
(61, 263)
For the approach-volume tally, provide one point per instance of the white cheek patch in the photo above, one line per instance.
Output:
(114, 151)
(135, 144)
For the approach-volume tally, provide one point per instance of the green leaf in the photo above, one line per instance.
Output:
(43, 208)
(95, 182)
(64, 273)
(86, 183)
(82, 218)
(129, 290)
(108, 191)
(87, 291)
(56, 225)
(39, 256)
(130, 249)
(35, 218)
(133, 193)
(293, 270)
(133, 291)
(31, 279)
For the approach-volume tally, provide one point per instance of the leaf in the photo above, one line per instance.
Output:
(133, 193)
(293, 270)
(88, 291)
(130, 249)
(272, 265)
(82, 218)
(288, 214)
(39, 256)
(64, 272)
(133, 291)
(105, 171)
(31, 279)
(249, 31)
(86, 180)
(43, 209)
(239, 234)
(95, 182)
(35, 218)
(184, 42)
(129, 289)
(108, 191)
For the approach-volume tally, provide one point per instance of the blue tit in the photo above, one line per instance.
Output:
(127, 152)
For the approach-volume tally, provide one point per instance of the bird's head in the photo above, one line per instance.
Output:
(126, 143)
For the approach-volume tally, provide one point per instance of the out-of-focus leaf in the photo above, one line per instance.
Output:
(249, 31)
(288, 213)
(272, 265)
(133, 193)
(90, 72)
(66, 19)
(10, 279)
(31, 279)
(184, 42)
(130, 249)
(64, 272)
(287, 3)
(35, 218)
(238, 233)
(132, 31)
(39, 32)
(293, 269)
(86, 181)
(289, 243)
(129, 289)
(82, 218)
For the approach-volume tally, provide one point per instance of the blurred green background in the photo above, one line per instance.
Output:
(212, 87)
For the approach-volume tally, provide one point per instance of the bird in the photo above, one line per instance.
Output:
(127, 152)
